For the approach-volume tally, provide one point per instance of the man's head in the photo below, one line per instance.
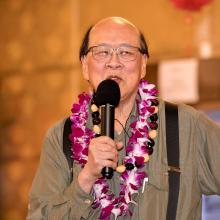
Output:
(85, 44)
(114, 49)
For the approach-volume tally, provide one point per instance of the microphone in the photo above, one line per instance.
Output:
(108, 97)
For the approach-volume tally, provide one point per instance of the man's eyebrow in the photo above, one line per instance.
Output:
(102, 44)
(119, 45)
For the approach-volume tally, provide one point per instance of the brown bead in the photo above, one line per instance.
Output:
(121, 169)
(146, 157)
(96, 129)
(150, 151)
(95, 114)
(155, 109)
(96, 121)
(129, 166)
(153, 134)
(153, 125)
(155, 102)
(94, 108)
(154, 117)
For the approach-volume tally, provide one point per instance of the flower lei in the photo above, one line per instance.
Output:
(138, 149)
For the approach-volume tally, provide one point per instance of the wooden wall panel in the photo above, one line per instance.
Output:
(39, 77)
(40, 73)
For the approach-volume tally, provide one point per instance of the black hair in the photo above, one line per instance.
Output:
(144, 47)
(85, 44)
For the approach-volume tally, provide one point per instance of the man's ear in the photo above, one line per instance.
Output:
(143, 66)
(85, 71)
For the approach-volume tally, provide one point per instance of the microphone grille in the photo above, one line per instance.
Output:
(108, 92)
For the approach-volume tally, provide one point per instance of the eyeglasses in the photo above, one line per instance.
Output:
(104, 53)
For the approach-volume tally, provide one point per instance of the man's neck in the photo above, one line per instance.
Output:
(123, 111)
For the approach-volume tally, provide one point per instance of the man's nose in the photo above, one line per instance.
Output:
(114, 61)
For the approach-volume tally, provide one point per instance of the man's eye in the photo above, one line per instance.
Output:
(126, 53)
(102, 53)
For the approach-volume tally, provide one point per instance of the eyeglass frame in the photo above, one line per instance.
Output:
(90, 49)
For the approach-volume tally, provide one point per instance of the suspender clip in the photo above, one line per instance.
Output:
(174, 169)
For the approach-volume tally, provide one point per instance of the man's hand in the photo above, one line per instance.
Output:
(103, 152)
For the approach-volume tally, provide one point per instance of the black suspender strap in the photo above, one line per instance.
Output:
(172, 143)
(67, 143)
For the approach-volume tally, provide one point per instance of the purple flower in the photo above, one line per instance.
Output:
(133, 186)
(77, 148)
(78, 132)
(106, 212)
(139, 160)
(131, 180)
(75, 108)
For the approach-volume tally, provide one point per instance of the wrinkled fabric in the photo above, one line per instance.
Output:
(54, 196)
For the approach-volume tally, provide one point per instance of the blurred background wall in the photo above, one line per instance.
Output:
(40, 74)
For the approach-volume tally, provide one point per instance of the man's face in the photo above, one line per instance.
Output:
(126, 73)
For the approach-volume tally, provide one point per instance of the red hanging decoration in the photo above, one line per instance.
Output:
(190, 5)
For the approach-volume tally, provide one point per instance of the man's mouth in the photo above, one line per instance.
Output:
(115, 78)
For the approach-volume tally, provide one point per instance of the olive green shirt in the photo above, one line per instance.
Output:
(54, 196)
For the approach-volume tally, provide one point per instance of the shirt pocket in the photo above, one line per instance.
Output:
(153, 199)
(158, 179)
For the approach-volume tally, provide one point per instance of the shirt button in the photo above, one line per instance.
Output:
(87, 201)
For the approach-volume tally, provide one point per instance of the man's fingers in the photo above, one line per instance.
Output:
(113, 156)
(119, 145)
(104, 140)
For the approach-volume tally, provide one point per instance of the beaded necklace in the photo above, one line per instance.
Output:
(138, 149)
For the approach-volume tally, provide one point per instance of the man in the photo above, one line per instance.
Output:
(115, 49)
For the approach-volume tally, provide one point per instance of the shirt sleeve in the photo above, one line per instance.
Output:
(208, 158)
(53, 195)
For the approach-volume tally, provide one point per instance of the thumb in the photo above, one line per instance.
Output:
(119, 145)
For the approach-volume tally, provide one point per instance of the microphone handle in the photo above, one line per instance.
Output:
(107, 129)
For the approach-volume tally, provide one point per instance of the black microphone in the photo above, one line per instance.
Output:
(107, 97)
